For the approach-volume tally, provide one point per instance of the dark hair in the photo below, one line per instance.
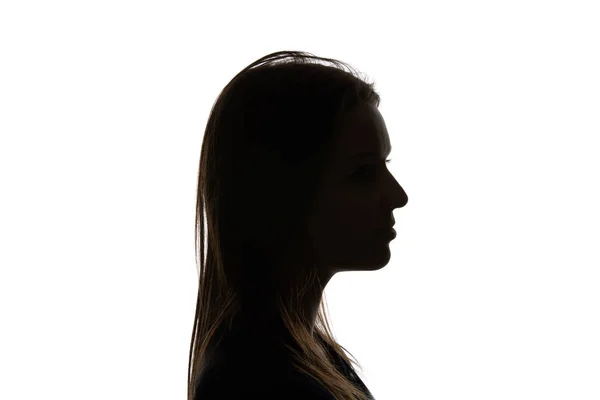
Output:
(267, 138)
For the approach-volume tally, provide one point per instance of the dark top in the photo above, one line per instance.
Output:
(241, 373)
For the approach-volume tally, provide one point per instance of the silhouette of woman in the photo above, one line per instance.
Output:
(295, 188)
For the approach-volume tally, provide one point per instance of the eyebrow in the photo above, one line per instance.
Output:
(368, 154)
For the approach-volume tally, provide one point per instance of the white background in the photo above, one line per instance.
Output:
(493, 289)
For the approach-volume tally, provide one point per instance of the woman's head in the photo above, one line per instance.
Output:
(287, 201)
(356, 197)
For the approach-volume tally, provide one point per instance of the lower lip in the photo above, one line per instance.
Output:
(390, 234)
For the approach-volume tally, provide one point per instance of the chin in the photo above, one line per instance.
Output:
(372, 266)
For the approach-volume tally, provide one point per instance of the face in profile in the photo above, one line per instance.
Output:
(356, 198)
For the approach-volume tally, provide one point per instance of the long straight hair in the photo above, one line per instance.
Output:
(268, 135)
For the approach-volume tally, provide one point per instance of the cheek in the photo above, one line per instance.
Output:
(344, 219)
(345, 232)
(354, 218)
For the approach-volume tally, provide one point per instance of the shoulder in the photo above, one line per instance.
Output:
(273, 385)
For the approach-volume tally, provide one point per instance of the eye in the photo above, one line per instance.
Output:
(369, 169)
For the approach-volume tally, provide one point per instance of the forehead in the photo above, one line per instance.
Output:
(362, 130)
